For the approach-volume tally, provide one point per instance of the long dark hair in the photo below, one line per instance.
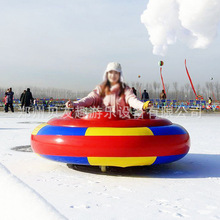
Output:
(105, 86)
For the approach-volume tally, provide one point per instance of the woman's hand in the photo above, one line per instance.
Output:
(147, 106)
(69, 104)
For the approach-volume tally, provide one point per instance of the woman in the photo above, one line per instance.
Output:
(113, 95)
(9, 96)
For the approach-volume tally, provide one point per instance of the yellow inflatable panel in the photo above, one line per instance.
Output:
(35, 131)
(108, 131)
(121, 161)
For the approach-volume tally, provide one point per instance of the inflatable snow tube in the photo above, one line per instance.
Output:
(99, 140)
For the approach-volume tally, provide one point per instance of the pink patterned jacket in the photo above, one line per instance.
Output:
(111, 102)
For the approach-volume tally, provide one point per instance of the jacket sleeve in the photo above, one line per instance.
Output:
(131, 99)
(93, 99)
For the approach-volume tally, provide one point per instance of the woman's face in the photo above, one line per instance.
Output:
(113, 77)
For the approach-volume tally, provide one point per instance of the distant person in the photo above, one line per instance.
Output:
(134, 91)
(45, 104)
(210, 101)
(35, 103)
(145, 96)
(9, 100)
(163, 97)
(209, 104)
(22, 99)
(51, 102)
(28, 99)
(5, 99)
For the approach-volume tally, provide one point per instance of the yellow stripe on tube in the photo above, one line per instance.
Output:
(121, 161)
(35, 131)
(108, 131)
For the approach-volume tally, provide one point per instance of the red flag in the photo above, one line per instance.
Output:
(190, 80)
(162, 80)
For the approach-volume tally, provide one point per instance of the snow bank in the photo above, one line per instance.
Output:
(19, 201)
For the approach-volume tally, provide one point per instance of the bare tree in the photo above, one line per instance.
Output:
(155, 88)
(207, 89)
(146, 86)
(207, 85)
(204, 93)
(187, 92)
(217, 90)
(150, 91)
(182, 93)
(167, 87)
(138, 86)
(198, 89)
(175, 86)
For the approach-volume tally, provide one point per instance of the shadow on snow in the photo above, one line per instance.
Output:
(191, 166)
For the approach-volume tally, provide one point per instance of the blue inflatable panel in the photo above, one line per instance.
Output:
(168, 159)
(65, 159)
(59, 130)
(84, 160)
(168, 130)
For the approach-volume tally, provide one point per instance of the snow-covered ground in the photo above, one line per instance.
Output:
(32, 187)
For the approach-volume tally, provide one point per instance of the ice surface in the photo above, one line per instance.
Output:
(33, 186)
(18, 200)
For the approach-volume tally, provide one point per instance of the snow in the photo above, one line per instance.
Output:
(32, 187)
(16, 195)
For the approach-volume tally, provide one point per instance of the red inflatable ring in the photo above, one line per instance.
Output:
(99, 140)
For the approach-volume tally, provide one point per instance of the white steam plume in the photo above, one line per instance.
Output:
(194, 22)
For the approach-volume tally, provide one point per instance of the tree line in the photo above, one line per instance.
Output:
(174, 91)
(179, 92)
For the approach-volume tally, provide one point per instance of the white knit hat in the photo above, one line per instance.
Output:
(113, 66)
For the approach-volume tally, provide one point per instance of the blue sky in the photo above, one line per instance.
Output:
(67, 44)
